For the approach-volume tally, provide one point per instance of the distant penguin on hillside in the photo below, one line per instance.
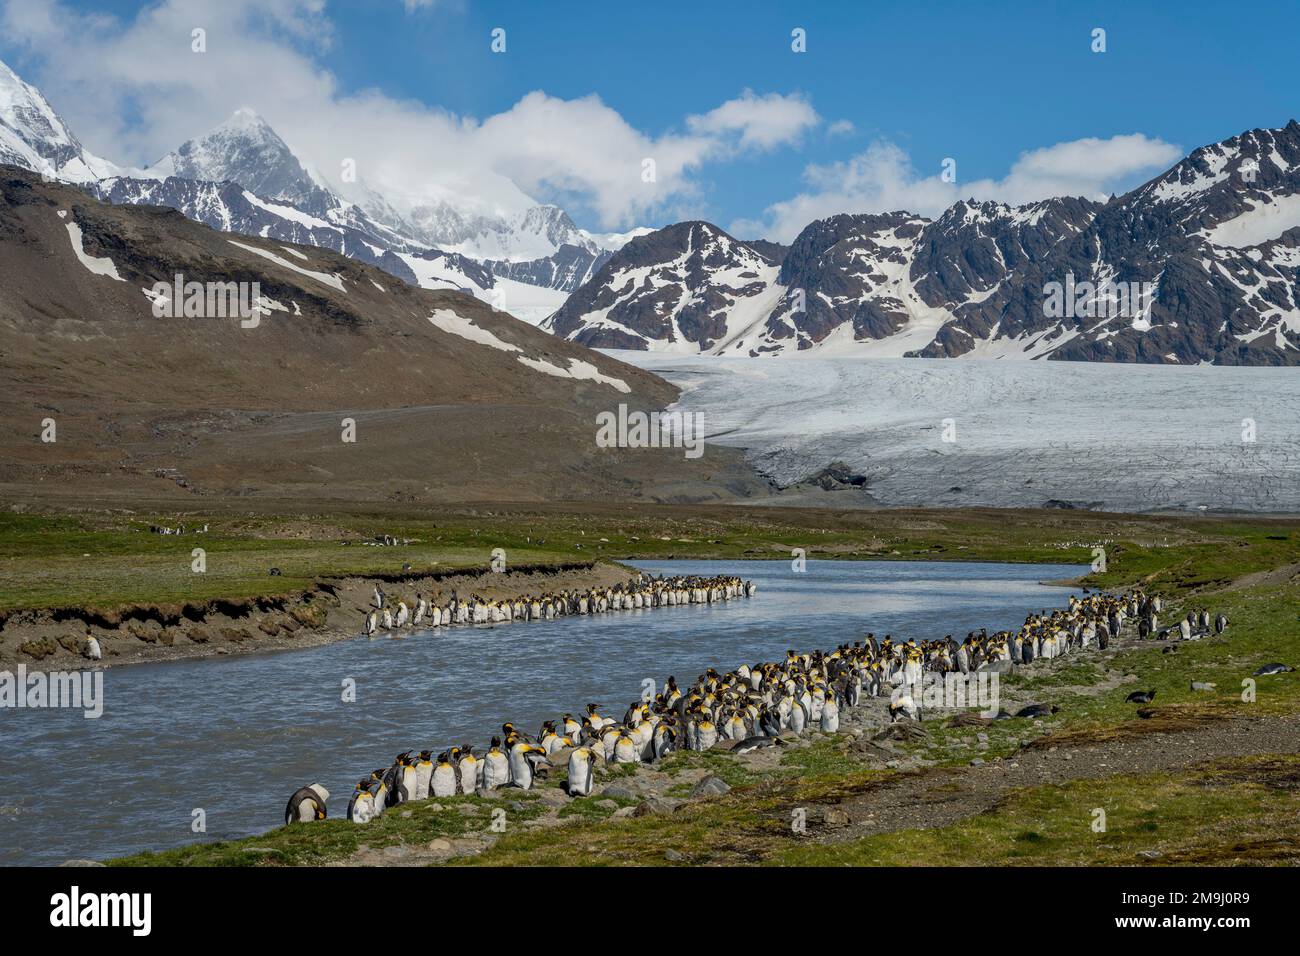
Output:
(1220, 623)
(92, 651)
(372, 623)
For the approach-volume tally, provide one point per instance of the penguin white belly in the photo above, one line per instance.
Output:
(468, 771)
(444, 781)
(423, 774)
(580, 773)
(830, 717)
(495, 770)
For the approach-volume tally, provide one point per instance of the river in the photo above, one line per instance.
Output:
(236, 735)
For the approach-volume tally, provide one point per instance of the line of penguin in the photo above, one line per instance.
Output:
(645, 592)
(751, 705)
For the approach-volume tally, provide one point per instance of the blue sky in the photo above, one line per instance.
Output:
(918, 82)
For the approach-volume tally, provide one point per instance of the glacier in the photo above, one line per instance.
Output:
(1112, 437)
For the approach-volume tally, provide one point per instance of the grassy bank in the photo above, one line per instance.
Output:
(109, 560)
(1229, 810)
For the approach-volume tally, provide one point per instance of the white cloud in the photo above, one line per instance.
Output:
(762, 122)
(134, 90)
(883, 179)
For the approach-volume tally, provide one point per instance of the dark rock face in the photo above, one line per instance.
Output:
(229, 207)
(676, 285)
(1201, 264)
(570, 267)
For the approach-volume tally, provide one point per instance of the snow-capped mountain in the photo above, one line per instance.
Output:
(689, 287)
(34, 136)
(1201, 264)
(243, 177)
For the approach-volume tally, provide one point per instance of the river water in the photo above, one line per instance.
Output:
(236, 736)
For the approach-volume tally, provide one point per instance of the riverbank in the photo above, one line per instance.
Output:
(331, 610)
(1201, 777)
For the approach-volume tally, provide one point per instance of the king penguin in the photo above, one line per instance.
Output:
(307, 803)
(582, 772)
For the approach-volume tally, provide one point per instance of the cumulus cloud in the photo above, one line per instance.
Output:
(883, 179)
(134, 90)
(762, 122)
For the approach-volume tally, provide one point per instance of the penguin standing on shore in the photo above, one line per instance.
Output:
(423, 774)
(361, 808)
(306, 804)
(467, 769)
(1220, 623)
(443, 783)
(582, 772)
(524, 761)
(496, 766)
(92, 651)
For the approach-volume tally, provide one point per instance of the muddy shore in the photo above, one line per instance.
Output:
(334, 609)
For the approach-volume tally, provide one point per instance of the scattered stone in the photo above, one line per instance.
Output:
(1150, 854)
(440, 845)
(654, 806)
(977, 762)
(616, 791)
(81, 863)
(606, 804)
(1202, 685)
(674, 856)
(711, 787)
(622, 813)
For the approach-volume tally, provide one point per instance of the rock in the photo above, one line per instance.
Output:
(622, 813)
(711, 787)
(1202, 685)
(406, 814)
(654, 806)
(977, 762)
(552, 796)
(607, 804)
(903, 730)
(436, 807)
(396, 852)
(1150, 854)
(81, 863)
(617, 791)
(833, 818)
(674, 856)
(440, 845)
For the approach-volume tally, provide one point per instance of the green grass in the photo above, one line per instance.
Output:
(1226, 812)
(312, 844)
(108, 560)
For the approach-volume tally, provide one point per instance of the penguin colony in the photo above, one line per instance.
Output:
(647, 592)
(751, 705)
